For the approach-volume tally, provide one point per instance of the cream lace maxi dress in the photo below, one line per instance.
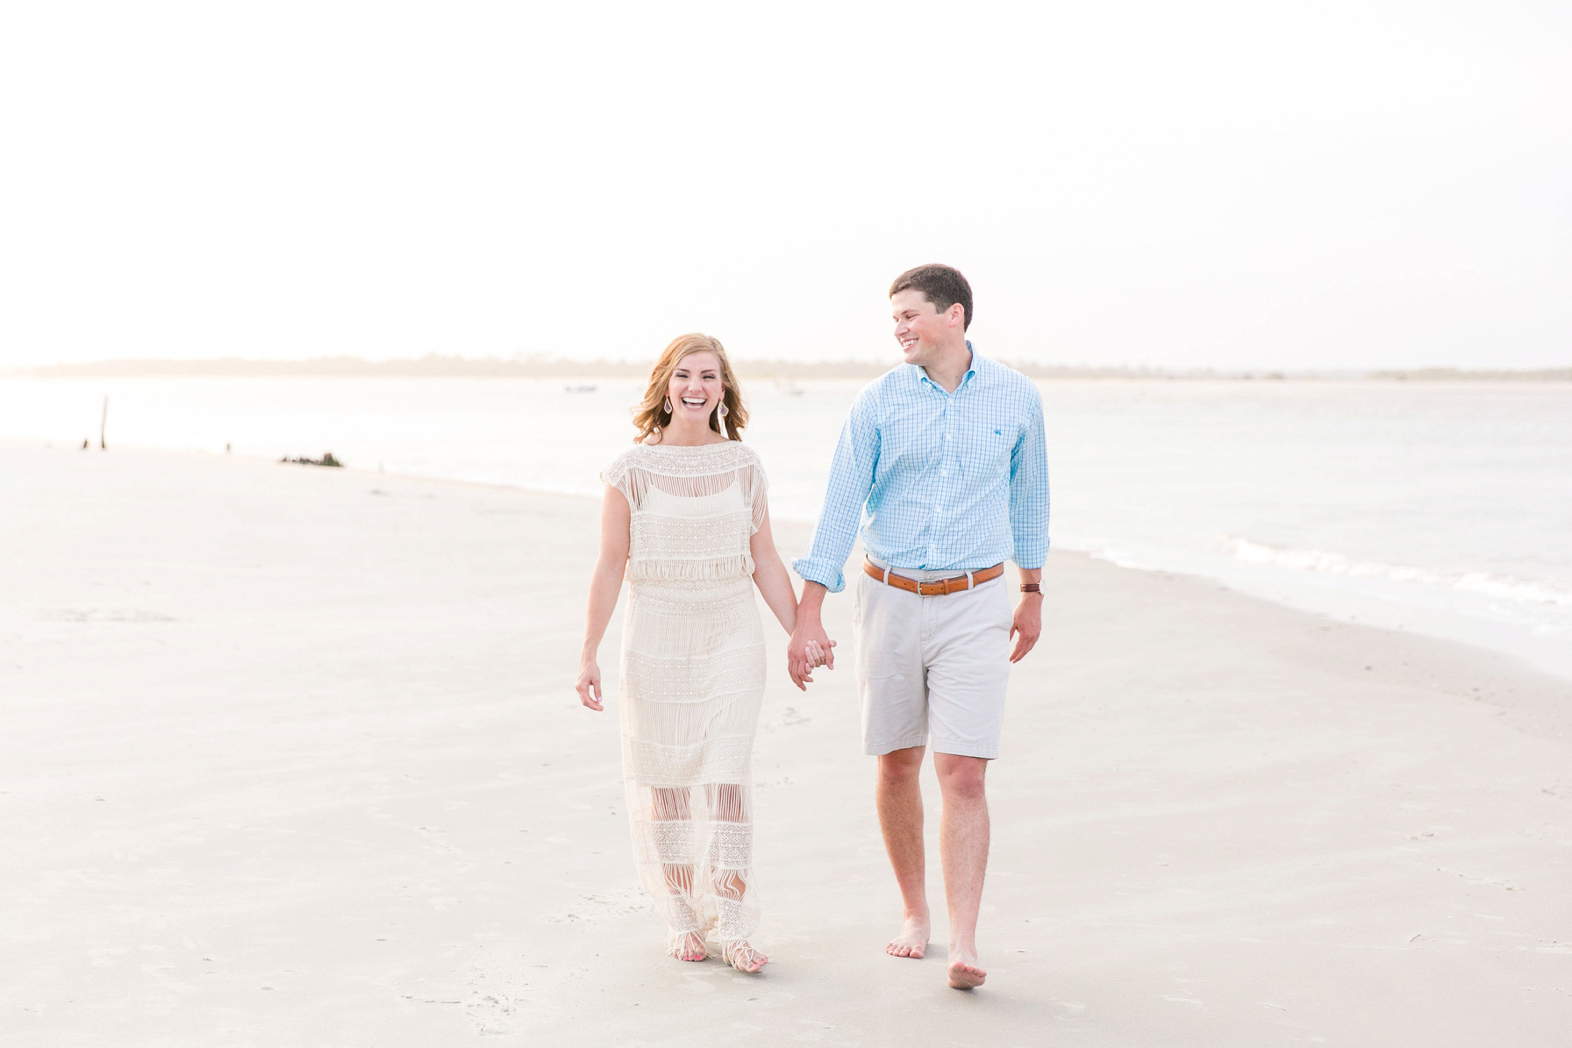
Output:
(692, 680)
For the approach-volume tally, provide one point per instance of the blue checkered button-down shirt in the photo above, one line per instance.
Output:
(950, 481)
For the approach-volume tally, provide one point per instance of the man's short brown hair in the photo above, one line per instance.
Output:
(942, 285)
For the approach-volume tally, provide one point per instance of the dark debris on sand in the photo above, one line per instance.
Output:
(327, 459)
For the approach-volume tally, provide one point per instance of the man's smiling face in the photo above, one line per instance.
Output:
(920, 328)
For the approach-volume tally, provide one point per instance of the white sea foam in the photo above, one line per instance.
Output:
(1505, 587)
(1118, 558)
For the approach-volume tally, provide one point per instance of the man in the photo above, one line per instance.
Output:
(946, 455)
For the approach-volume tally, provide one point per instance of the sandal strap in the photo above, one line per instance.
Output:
(685, 942)
(736, 950)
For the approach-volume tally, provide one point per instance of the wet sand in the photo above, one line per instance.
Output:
(292, 758)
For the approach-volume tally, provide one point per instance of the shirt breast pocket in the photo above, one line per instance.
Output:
(990, 446)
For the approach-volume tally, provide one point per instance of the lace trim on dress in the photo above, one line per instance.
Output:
(735, 919)
(724, 759)
(674, 842)
(672, 461)
(671, 841)
(731, 846)
(696, 472)
(680, 918)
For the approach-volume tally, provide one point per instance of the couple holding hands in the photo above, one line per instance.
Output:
(941, 466)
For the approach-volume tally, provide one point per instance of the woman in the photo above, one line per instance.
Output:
(684, 518)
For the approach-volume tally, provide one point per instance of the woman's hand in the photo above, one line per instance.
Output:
(588, 686)
(818, 656)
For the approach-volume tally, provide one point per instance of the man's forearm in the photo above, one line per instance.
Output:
(812, 600)
(801, 654)
(851, 478)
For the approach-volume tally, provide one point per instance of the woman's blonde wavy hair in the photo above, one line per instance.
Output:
(651, 414)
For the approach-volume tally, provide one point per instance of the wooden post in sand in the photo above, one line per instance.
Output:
(103, 424)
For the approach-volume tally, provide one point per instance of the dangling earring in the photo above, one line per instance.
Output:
(667, 405)
(720, 419)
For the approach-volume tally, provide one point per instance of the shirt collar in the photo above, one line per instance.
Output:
(971, 371)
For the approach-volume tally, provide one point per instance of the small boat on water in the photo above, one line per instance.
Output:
(581, 387)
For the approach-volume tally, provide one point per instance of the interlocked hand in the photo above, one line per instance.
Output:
(809, 649)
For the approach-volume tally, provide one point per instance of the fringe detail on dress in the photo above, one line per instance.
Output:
(737, 566)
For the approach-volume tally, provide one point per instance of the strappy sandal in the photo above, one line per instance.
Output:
(688, 946)
(743, 957)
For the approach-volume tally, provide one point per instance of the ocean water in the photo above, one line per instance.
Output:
(1443, 508)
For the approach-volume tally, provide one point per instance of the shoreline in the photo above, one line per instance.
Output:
(1311, 594)
(294, 756)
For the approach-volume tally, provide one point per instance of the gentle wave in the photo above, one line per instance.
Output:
(1327, 563)
(1117, 558)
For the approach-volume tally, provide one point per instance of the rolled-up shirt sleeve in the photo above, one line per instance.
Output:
(1029, 491)
(851, 478)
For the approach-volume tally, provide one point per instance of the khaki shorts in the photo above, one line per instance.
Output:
(934, 666)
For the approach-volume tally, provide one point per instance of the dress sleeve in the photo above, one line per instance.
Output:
(617, 475)
(760, 489)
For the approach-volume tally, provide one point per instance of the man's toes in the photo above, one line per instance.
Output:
(966, 976)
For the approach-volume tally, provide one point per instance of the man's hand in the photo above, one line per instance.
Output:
(1027, 625)
(809, 640)
(800, 658)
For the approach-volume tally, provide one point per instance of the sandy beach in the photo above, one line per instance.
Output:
(292, 757)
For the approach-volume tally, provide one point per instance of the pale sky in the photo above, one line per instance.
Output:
(1331, 185)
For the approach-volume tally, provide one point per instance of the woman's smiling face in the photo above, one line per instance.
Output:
(695, 387)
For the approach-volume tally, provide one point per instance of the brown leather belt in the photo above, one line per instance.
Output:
(938, 587)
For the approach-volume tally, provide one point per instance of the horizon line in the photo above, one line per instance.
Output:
(438, 366)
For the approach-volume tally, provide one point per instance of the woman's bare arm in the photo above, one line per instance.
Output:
(769, 574)
(605, 584)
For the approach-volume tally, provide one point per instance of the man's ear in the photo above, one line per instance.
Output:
(956, 313)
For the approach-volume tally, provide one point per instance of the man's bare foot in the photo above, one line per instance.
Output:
(688, 947)
(743, 957)
(964, 973)
(911, 942)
